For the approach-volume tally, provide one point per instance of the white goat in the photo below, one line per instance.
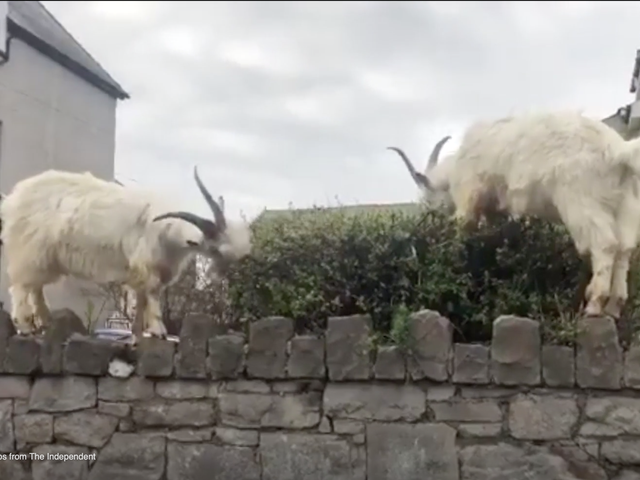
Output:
(557, 166)
(60, 223)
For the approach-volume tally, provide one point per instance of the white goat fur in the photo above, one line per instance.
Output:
(61, 223)
(558, 166)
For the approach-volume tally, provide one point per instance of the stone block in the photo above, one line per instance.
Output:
(115, 409)
(20, 406)
(348, 427)
(125, 390)
(515, 351)
(53, 469)
(126, 425)
(325, 425)
(627, 475)
(191, 435)
(7, 439)
(294, 386)
(293, 456)
(247, 410)
(386, 403)
(347, 347)
(307, 357)
(479, 430)
(131, 456)
(155, 357)
(14, 386)
(611, 416)
(85, 428)
(64, 322)
(22, 355)
(15, 470)
(486, 410)
(509, 462)
(490, 392)
(191, 359)
(226, 356)
(582, 458)
(162, 413)
(440, 393)
(88, 356)
(182, 389)
(237, 437)
(411, 452)
(470, 364)
(203, 462)
(558, 366)
(621, 452)
(632, 367)
(599, 362)
(62, 394)
(32, 429)
(390, 363)
(432, 347)
(246, 386)
(542, 417)
(267, 348)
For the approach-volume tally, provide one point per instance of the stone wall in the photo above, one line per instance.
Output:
(276, 406)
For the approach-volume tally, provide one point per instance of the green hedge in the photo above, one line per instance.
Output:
(312, 265)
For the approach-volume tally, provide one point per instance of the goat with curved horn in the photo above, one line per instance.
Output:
(111, 233)
(421, 179)
(207, 227)
(218, 214)
(435, 153)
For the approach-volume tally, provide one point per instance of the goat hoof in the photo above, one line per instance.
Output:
(23, 330)
(26, 333)
(614, 308)
(597, 314)
(157, 330)
(39, 330)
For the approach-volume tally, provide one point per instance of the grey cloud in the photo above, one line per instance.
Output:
(296, 101)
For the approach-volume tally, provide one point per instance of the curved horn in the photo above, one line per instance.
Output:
(435, 153)
(207, 227)
(420, 179)
(218, 214)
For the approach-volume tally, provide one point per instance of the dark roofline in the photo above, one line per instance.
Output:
(636, 73)
(16, 31)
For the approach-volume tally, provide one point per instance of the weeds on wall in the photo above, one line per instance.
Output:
(309, 265)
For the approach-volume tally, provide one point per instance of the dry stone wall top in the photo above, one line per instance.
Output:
(273, 405)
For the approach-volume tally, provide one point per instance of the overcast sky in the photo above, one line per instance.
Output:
(281, 102)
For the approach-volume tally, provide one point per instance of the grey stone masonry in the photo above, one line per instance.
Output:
(270, 404)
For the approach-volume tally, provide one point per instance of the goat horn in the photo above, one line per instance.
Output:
(206, 226)
(218, 214)
(420, 179)
(433, 158)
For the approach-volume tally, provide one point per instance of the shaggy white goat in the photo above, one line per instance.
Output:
(557, 166)
(60, 223)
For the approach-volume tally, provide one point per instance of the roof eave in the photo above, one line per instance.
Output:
(36, 43)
